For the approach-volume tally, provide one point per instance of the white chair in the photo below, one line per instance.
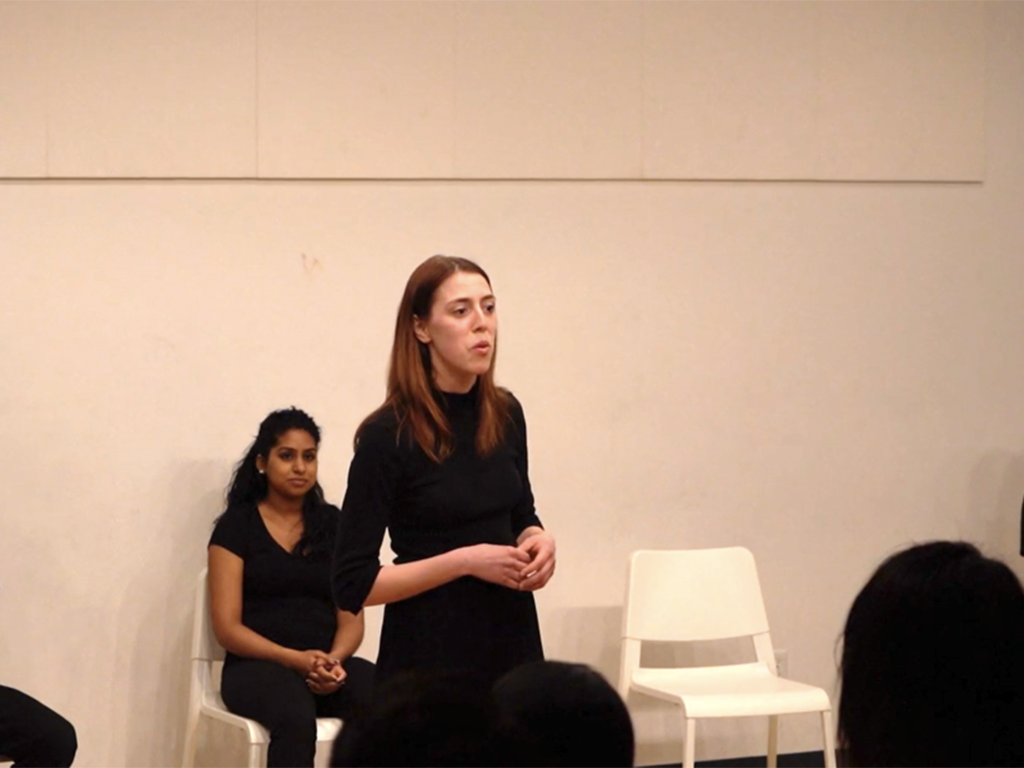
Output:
(710, 594)
(205, 700)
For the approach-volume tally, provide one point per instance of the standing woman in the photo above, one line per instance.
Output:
(288, 648)
(442, 465)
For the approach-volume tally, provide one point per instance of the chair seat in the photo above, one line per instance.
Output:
(327, 728)
(736, 690)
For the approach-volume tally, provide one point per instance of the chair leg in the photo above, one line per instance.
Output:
(257, 756)
(830, 739)
(773, 740)
(192, 733)
(688, 748)
(189, 759)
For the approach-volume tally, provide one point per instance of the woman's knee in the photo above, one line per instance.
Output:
(62, 744)
(55, 744)
(271, 694)
(359, 671)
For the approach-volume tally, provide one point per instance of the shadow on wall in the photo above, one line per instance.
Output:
(978, 499)
(156, 613)
(589, 635)
(992, 518)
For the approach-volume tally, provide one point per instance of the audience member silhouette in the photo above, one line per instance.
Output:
(554, 713)
(932, 670)
(423, 719)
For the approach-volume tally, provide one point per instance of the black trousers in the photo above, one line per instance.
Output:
(279, 700)
(32, 734)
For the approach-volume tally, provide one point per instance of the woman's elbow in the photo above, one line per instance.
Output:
(222, 631)
(347, 601)
(351, 591)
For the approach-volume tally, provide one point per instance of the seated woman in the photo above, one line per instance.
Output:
(932, 671)
(289, 650)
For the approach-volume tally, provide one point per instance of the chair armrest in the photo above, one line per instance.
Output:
(213, 706)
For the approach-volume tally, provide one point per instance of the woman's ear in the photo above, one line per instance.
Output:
(419, 328)
(261, 464)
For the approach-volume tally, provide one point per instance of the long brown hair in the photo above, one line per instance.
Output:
(410, 392)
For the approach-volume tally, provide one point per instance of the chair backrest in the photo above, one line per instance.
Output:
(204, 643)
(205, 650)
(693, 594)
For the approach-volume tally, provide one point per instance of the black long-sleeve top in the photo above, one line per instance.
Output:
(431, 508)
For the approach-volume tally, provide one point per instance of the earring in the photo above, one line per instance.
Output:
(260, 471)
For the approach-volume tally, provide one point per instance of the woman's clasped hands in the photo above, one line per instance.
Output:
(526, 567)
(323, 674)
(539, 545)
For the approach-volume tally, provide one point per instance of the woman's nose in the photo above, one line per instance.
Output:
(480, 318)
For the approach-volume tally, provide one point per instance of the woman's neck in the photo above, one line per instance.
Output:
(280, 506)
(445, 381)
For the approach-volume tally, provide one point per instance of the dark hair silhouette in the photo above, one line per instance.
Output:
(933, 662)
(248, 486)
(422, 719)
(552, 713)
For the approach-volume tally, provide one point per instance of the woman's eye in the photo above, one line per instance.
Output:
(310, 457)
(459, 311)
(488, 308)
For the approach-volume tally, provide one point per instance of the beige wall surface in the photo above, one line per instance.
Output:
(460, 89)
(820, 372)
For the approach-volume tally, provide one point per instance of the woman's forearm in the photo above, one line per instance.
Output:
(399, 582)
(527, 532)
(242, 641)
(349, 635)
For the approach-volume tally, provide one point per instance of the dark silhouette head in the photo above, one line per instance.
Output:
(933, 662)
(552, 713)
(422, 719)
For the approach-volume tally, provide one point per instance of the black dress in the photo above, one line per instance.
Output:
(468, 624)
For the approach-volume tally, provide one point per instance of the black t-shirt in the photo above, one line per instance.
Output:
(286, 596)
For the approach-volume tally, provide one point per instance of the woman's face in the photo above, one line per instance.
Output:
(291, 466)
(460, 331)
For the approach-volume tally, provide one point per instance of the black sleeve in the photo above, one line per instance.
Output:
(232, 531)
(525, 513)
(372, 479)
(331, 516)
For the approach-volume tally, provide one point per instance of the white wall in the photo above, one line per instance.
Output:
(823, 372)
(575, 89)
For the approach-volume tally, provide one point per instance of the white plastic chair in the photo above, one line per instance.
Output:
(205, 700)
(710, 594)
